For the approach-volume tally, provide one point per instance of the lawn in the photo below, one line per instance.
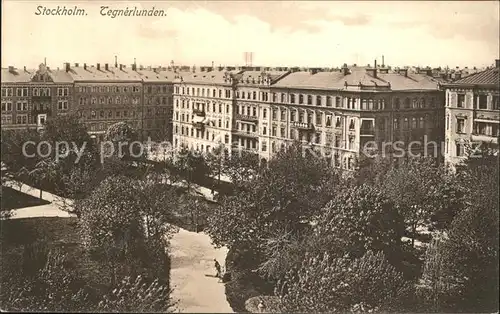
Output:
(13, 199)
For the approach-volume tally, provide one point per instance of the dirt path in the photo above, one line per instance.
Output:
(192, 260)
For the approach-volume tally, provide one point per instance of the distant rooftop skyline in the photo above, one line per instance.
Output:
(287, 33)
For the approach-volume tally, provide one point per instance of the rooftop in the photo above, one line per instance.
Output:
(356, 76)
(487, 77)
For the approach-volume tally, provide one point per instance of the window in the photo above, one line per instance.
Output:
(407, 103)
(62, 105)
(264, 130)
(421, 122)
(461, 101)
(92, 114)
(301, 116)
(273, 131)
(264, 113)
(447, 121)
(254, 94)
(292, 115)
(338, 122)
(460, 125)
(460, 149)
(309, 100)
(396, 124)
(328, 120)
(292, 98)
(22, 106)
(319, 118)
(352, 125)
(282, 132)
(413, 123)
(283, 114)
(275, 114)
(495, 103)
(414, 103)
(482, 102)
(318, 100)
(406, 124)
(397, 103)
(22, 119)
(6, 106)
(338, 102)
(283, 97)
(264, 146)
(301, 99)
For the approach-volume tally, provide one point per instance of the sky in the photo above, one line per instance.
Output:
(279, 33)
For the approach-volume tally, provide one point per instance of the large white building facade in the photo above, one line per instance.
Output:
(332, 112)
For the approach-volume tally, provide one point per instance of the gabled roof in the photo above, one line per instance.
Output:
(358, 75)
(16, 75)
(486, 77)
(26, 76)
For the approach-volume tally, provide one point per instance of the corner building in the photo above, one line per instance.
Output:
(30, 97)
(472, 114)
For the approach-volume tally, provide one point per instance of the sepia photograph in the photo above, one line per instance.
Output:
(250, 156)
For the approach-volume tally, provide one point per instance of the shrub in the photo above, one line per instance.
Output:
(137, 295)
(324, 284)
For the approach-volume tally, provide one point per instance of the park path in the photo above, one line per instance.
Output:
(192, 257)
(49, 210)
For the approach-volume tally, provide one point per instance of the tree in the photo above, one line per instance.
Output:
(358, 219)
(191, 165)
(461, 269)
(325, 284)
(44, 173)
(111, 226)
(415, 187)
(284, 197)
(216, 160)
(240, 165)
(121, 135)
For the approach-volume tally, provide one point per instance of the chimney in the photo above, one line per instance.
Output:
(106, 67)
(67, 66)
(497, 63)
(134, 67)
(373, 71)
(404, 72)
(383, 61)
(121, 66)
(98, 67)
(45, 61)
(375, 64)
(11, 68)
(116, 61)
(25, 69)
(313, 70)
(85, 66)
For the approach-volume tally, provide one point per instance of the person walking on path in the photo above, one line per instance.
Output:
(217, 268)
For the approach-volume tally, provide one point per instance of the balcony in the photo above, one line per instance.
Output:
(302, 125)
(367, 132)
(199, 125)
(246, 133)
(476, 137)
(245, 117)
(199, 112)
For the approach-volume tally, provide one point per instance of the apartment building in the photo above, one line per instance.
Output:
(157, 111)
(338, 113)
(472, 114)
(353, 110)
(252, 117)
(30, 97)
(100, 94)
(203, 108)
